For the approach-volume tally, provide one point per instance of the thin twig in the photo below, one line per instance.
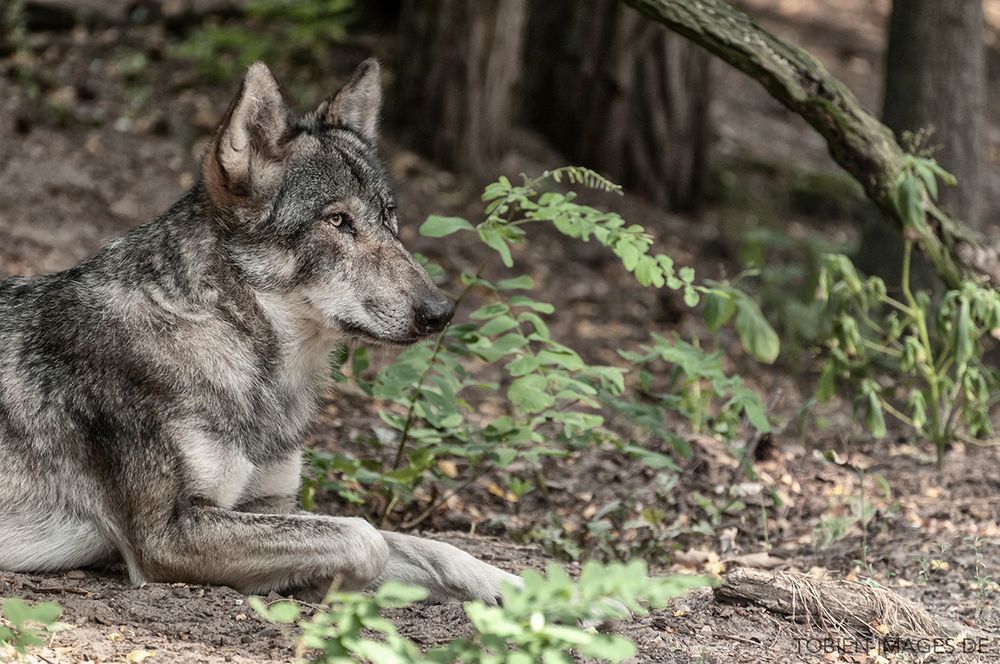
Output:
(420, 518)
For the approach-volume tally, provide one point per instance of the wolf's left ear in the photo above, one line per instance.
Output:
(243, 161)
(358, 103)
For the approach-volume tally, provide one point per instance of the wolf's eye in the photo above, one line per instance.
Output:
(338, 219)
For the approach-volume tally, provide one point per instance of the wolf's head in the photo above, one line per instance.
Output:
(308, 216)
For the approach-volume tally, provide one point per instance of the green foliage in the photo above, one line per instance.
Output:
(276, 31)
(555, 400)
(918, 360)
(916, 192)
(697, 387)
(13, 36)
(725, 303)
(25, 67)
(540, 622)
(337, 633)
(510, 207)
(552, 392)
(23, 625)
(785, 271)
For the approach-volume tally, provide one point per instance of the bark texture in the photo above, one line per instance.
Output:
(857, 141)
(838, 604)
(622, 95)
(459, 64)
(936, 81)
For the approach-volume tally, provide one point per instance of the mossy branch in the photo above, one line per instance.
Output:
(861, 144)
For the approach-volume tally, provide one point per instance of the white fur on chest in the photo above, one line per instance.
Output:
(278, 479)
(223, 475)
(219, 473)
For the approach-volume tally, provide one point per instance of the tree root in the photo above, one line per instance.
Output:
(842, 606)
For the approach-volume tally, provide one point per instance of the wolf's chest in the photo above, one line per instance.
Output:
(223, 475)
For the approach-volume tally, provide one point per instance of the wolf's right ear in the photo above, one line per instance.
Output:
(244, 159)
(359, 102)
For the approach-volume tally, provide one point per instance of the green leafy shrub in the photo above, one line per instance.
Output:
(555, 401)
(542, 622)
(697, 387)
(916, 358)
(23, 625)
(288, 31)
(785, 272)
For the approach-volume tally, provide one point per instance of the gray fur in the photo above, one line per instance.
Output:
(153, 399)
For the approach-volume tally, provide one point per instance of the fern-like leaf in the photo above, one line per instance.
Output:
(577, 175)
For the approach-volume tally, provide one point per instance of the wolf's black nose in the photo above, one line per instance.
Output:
(432, 314)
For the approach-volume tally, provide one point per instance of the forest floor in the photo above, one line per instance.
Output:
(113, 138)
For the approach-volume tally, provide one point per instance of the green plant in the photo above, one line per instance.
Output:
(924, 368)
(26, 69)
(986, 584)
(272, 30)
(23, 625)
(696, 386)
(541, 622)
(555, 400)
(919, 360)
(13, 37)
(935, 564)
(785, 272)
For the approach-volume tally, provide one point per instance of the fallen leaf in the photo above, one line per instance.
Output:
(693, 557)
(715, 567)
(760, 560)
(940, 565)
(447, 468)
(501, 493)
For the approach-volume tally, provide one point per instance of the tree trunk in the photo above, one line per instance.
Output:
(623, 96)
(935, 80)
(459, 63)
(862, 145)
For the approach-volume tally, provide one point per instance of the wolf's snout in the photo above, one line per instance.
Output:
(432, 314)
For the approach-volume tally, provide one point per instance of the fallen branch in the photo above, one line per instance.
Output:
(841, 606)
(861, 144)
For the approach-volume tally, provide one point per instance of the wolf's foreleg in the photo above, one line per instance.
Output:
(256, 553)
(446, 572)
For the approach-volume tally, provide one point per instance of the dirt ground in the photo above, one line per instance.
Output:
(103, 149)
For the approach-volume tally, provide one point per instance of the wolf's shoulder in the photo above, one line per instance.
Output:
(17, 292)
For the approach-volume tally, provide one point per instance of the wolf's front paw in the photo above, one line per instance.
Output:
(499, 577)
(472, 579)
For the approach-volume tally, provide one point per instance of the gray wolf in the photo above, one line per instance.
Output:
(154, 398)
